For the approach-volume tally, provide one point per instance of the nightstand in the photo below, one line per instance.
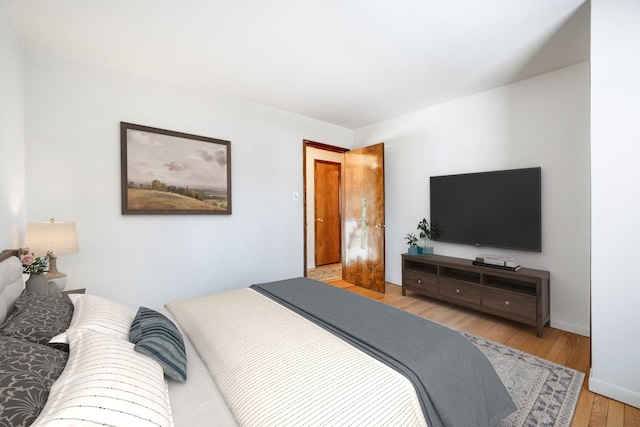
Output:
(65, 294)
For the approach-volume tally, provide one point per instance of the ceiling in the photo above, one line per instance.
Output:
(347, 62)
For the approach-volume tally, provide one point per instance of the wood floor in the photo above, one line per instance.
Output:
(558, 346)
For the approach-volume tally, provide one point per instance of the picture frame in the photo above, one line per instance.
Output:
(173, 173)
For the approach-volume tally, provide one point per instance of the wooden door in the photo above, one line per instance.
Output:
(363, 260)
(327, 176)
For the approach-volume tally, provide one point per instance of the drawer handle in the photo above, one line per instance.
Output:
(420, 281)
(458, 291)
(506, 302)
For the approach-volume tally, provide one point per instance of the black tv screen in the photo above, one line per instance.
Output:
(496, 209)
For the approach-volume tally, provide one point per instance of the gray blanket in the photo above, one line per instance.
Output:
(454, 381)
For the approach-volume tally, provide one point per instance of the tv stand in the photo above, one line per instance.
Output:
(521, 295)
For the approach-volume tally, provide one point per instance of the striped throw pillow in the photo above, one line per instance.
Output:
(157, 337)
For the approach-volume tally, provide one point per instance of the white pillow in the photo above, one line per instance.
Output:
(11, 285)
(100, 315)
(106, 382)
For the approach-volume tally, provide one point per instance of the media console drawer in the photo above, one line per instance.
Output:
(522, 306)
(459, 291)
(521, 295)
(425, 282)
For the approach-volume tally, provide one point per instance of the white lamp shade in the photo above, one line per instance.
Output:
(51, 236)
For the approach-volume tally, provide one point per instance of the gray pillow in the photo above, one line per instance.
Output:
(27, 371)
(158, 337)
(37, 318)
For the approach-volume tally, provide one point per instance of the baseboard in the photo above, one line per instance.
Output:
(570, 327)
(613, 391)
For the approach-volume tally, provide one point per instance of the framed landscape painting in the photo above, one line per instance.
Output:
(166, 172)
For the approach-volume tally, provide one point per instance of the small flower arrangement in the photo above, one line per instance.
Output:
(32, 264)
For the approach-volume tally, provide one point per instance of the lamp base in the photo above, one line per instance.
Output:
(60, 279)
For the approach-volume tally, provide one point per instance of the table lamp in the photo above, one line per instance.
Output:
(58, 237)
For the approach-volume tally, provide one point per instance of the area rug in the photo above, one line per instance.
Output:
(325, 273)
(545, 393)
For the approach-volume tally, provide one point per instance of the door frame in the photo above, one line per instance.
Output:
(320, 146)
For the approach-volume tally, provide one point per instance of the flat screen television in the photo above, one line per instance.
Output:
(496, 209)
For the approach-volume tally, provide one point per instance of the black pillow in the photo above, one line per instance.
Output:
(27, 371)
(37, 318)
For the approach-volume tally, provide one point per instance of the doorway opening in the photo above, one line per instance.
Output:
(322, 169)
(360, 217)
(326, 273)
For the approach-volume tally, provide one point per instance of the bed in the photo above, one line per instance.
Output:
(292, 352)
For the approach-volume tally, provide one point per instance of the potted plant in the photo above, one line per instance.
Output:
(425, 235)
(412, 240)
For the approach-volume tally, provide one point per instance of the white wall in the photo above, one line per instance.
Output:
(615, 154)
(73, 172)
(543, 121)
(74, 109)
(12, 184)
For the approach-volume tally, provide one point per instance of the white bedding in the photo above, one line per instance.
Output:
(274, 367)
(197, 402)
(265, 365)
